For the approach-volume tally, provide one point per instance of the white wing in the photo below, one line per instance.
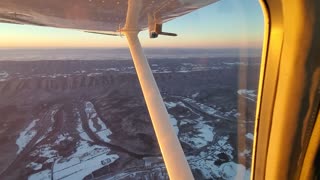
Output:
(92, 15)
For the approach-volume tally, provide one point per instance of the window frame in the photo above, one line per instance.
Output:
(288, 99)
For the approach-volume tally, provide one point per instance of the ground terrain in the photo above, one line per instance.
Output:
(88, 119)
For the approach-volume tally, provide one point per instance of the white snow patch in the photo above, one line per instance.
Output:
(89, 109)
(85, 150)
(108, 69)
(80, 129)
(207, 109)
(174, 123)
(84, 161)
(45, 151)
(249, 94)
(195, 95)
(26, 136)
(104, 135)
(81, 169)
(201, 138)
(104, 131)
(161, 71)
(94, 74)
(170, 104)
(34, 166)
(183, 70)
(3, 75)
(63, 137)
(93, 129)
(203, 107)
(233, 171)
(207, 167)
(112, 69)
(85, 136)
(93, 115)
(249, 136)
(206, 160)
(183, 122)
(96, 124)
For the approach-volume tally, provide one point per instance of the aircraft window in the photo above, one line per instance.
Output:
(71, 106)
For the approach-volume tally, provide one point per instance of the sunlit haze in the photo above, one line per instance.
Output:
(227, 23)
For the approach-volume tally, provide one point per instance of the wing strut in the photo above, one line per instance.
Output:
(172, 153)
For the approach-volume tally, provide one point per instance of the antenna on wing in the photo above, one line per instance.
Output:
(158, 31)
(155, 28)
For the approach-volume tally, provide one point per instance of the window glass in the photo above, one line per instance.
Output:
(71, 106)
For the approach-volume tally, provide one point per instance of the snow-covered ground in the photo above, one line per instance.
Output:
(78, 169)
(3, 75)
(34, 166)
(249, 94)
(108, 69)
(206, 162)
(249, 136)
(174, 122)
(63, 137)
(202, 133)
(46, 151)
(195, 95)
(82, 133)
(26, 136)
(86, 159)
(201, 137)
(94, 74)
(234, 171)
(53, 113)
(161, 71)
(53, 76)
(209, 161)
(96, 124)
(203, 107)
(170, 105)
(83, 162)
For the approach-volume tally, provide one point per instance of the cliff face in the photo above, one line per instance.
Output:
(64, 84)
(80, 78)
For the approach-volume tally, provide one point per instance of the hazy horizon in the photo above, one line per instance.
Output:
(35, 54)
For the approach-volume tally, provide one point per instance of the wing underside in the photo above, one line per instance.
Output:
(92, 15)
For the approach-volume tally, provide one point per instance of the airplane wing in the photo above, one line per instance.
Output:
(107, 16)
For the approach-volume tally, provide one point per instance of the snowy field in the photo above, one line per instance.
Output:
(203, 136)
(26, 136)
(3, 76)
(87, 157)
(96, 124)
(83, 162)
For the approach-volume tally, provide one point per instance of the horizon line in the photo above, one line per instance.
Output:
(114, 48)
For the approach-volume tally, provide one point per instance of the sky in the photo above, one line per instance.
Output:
(224, 24)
